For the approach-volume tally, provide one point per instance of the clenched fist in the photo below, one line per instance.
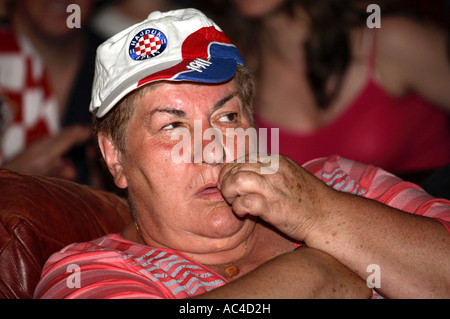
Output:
(290, 199)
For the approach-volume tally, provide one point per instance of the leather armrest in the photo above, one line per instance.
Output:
(41, 215)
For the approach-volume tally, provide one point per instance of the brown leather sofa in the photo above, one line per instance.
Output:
(41, 215)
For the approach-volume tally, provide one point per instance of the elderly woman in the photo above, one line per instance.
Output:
(223, 229)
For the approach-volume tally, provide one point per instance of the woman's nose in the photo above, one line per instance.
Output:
(213, 149)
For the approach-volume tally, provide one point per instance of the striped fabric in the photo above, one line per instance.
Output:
(374, 183)
(112, 267)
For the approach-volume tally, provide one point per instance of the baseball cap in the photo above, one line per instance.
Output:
(178, 45)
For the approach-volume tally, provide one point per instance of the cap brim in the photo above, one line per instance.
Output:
(215, 70)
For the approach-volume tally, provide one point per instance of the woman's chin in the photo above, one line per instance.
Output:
(222, 222)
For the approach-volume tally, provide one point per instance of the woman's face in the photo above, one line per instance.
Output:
(257, 8)
(178, 205)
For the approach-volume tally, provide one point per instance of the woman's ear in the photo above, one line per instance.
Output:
(113, 159)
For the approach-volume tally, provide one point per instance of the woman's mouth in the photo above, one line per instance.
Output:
(211, 193)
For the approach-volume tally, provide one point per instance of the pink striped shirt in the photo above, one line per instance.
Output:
(113, 267)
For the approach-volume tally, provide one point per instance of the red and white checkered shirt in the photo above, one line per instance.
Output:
(28, 109)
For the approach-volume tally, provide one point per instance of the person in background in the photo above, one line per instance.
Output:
(117, 15)
(46, 73)
(335, 86)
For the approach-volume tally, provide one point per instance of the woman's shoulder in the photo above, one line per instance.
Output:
(404, 48)
(406, 33)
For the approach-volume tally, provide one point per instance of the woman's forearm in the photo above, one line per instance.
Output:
(303, 273)
(411, 252)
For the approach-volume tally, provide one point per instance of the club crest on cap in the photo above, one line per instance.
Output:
(147, 44)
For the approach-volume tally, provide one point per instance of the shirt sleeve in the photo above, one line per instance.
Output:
(377, 184)
(78, 272)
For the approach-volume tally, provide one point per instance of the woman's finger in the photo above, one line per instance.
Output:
(241, 182)
(250, 204)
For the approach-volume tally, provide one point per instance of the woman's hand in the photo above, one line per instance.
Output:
(46, 156)
(291, 199)
(410, 250)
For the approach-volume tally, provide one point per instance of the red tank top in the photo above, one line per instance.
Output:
(399, 134)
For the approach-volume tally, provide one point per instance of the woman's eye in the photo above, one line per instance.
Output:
(230, 117)
(171, 126)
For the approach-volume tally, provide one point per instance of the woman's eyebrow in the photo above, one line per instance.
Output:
(179, 113)
(223, 101)
(168, 110)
